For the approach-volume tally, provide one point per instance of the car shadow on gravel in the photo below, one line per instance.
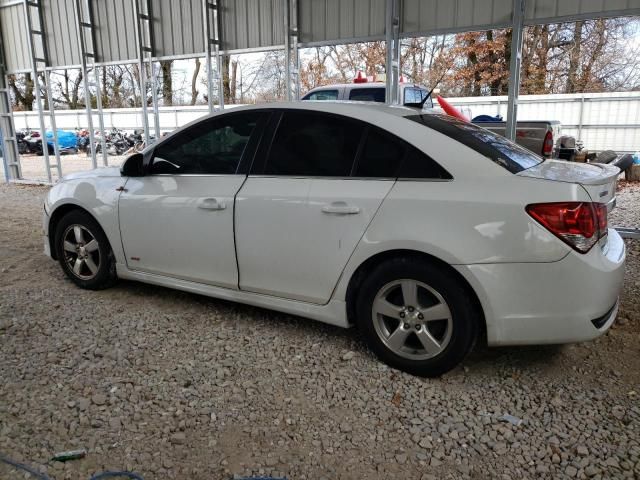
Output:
(180, 299)
(482, 360)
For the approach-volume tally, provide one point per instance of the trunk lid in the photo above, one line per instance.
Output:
(598, 179)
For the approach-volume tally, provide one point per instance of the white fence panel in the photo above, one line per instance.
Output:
(603, 121)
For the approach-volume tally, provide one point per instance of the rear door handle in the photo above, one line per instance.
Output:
(211, 204)
(340, 208)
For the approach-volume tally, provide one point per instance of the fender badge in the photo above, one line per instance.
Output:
(605, 193)
(137, 259)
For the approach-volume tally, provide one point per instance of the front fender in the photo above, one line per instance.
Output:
(98, 196)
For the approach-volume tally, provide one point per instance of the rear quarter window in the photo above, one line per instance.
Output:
(497, 148)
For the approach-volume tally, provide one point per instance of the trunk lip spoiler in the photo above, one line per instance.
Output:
(607, 174)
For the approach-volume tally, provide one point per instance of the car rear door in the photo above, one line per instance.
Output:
(177, 220)
(303, 210)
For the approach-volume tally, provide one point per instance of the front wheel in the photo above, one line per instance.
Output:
(84, 252)
(417, 316)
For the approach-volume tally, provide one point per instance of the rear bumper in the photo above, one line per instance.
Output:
(571, 300)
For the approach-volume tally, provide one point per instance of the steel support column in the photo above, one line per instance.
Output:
(36, 84)
(85, 81)
(10, 154)
(292, 54)
(216, 51)
(517, 36)
(207, 9)
(146, 52)
(392, 37)
(96, 77)
(287, 50)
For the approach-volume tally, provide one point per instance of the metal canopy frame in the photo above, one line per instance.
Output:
(87, 41)
(10, 154)
(39, 54)
(331, 22)
(146, 51)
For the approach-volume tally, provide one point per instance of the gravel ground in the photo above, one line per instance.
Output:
(174, 385)
(33, 165)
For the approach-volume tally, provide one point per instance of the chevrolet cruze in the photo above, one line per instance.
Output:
(423, 231)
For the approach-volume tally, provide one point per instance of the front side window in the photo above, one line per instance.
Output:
(311, 144)
(215, 146)
(497, 148)
(322, 95)
(375, 94)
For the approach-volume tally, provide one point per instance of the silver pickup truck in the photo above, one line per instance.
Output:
(540, 136)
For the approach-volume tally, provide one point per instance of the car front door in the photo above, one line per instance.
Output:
(302, 210)
(177, 220)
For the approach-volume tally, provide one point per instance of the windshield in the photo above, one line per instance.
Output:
(504, 152)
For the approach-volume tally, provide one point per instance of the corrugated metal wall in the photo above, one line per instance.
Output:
(14, 35)
(115, 30)
(62, 32)
(333, 20)
(435, 16)
(549, 11)
(252, 23)
(255, 24)
(178, 27)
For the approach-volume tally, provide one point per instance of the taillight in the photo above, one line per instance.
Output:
(579, 224)
(547, 146)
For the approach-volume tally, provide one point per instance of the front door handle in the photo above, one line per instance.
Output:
(211, 204)
(340, 208)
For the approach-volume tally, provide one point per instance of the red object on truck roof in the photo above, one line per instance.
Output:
(360, 78)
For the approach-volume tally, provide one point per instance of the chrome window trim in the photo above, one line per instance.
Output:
(386, 179)
(196, 175)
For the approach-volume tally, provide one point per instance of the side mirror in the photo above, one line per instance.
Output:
(133, 166)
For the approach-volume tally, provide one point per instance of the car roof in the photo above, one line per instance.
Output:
(372, 112)
(340, 107)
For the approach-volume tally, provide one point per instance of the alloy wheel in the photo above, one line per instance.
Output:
(81, 252)
(412, 319)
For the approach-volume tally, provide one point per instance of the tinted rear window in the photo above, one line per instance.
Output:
(322, 95)
(505, 153)
(367, 94)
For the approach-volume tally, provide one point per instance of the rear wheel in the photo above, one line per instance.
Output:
(417, 316)
(84, 251)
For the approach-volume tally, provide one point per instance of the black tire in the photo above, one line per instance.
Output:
(464, 319)
(624, 162)
(606, 156)
(102, 257)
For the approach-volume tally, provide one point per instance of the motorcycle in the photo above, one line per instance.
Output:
(116, 143)
(83, 139)
(32, 142)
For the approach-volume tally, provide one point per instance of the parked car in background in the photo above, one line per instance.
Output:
(420, 229)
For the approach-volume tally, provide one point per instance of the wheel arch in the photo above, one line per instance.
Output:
(368, 265)
(55, 218)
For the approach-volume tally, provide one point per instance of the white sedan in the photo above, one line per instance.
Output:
(423, 231)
